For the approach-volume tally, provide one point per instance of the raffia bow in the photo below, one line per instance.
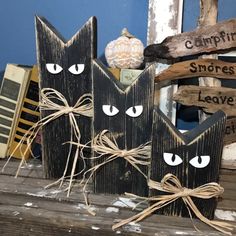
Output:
(105, 145)
(171, 184)
(52, 100)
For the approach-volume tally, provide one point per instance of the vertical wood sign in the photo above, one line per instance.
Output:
(126, 112)
(66, 67)
(208, 16)
(164, 19)
(194, 157)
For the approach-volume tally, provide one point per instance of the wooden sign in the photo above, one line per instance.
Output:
(65, 66)
(196, 68)
(221, 36)
(211, 99)
(194, 157)
(230, 131)
(126, 112)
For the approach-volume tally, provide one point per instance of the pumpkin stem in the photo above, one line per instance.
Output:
(126, 33)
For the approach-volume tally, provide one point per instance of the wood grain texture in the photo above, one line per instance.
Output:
(208, 16)
(26, 208)
(118, 176)
(230, 131)
(164, 19)
(53, 48)
(206, 139)
(200, 67)
(207, 39)
(211, 99)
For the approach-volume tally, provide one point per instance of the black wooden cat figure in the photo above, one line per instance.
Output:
(65, 66)
(194, 157)
(126, 113)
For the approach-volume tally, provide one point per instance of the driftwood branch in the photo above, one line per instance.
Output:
(200, 67)
(208, 39)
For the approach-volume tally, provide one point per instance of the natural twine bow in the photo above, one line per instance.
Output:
(108, 148)
(171, 184)
(49, 99)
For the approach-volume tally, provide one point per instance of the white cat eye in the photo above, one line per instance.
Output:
(172, 159)
(53, 68)
(134, 111)
(110, 110)
(200, 161)
(76, 69)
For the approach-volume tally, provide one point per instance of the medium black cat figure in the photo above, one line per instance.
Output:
(125, 113)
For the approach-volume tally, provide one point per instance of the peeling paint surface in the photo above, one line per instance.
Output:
(112, 209)
(133, 227)
(28, 204)
(165, 19)
(95, 228)
(225, 215)
(124, 202)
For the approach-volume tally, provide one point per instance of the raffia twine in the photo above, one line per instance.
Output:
(105, 145)
(52, 100)
(171, 184)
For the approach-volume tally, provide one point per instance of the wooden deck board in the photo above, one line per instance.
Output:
(26, 208)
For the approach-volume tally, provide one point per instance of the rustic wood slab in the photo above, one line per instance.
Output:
(125, 111)
(65, 66)
(230, 131)
(26, 208)
(196, 68)
(218, 37)
(211, 99)
(194, 157)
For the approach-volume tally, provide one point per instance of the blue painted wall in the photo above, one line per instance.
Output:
(17, 41)
(17, 34)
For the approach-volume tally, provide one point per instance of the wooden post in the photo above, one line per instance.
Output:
(164, 19)
(208, 16)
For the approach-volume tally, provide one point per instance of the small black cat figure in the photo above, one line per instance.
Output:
(194, 157)
(64, 66)
(126, 114)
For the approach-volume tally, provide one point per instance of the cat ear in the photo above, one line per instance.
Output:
(85, 40)
(50, 40)
(210, 128)
(104, 79)
(47, 34)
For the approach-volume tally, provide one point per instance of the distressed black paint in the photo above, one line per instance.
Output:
(206, 139)
(53, 48)
(130, 132)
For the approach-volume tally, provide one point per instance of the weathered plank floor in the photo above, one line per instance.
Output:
(26, 208)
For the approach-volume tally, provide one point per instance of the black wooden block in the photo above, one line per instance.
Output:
(126, 112)
(67, 67)
(194, 157)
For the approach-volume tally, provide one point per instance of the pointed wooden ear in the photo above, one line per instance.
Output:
(162, 126)
(86, 37)
(146, 78)
(214, 124)
(102, 77)
(46, 33)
